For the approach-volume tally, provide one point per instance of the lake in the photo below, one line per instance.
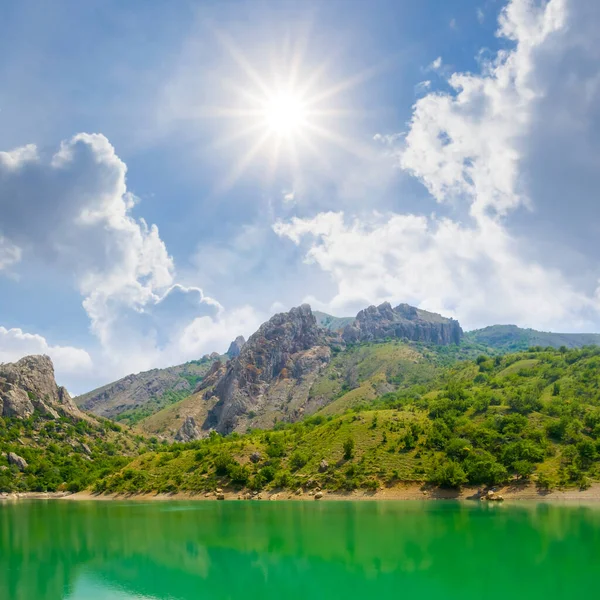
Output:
(52, 550)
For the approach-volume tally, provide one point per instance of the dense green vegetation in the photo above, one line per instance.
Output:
(63, 454)
(486, 422)
(428, 418)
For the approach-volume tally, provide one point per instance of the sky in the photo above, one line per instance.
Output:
(172, 174)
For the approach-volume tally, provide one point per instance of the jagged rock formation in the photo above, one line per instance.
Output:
(29, 385)
(402, 322)
(188, 431)
(236, 346)
(272, 374)
(153, 388)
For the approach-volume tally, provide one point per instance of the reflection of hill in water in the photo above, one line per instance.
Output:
(295, 550)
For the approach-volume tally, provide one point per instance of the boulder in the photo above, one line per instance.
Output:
(323, 466)
(255, 457)
(318, 495)
(18, 461)
(188, 432)
(220, 496)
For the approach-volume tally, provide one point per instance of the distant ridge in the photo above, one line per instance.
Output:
(509, 338)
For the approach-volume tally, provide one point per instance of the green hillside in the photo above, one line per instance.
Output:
(510, 338)
(484, 422)
(62, 454)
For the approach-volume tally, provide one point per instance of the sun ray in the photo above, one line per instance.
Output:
(242, 164)
(293, 112)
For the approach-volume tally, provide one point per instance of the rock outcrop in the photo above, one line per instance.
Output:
(402, 322)
(271, 376)
(29, 385)
(18, 461)
(236, 346)
(188, 432)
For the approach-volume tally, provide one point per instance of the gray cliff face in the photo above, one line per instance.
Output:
(403, 321)
(29, 385)
(188, 431)
(270, 373)
(236, 346)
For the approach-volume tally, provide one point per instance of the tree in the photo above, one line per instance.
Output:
(523, 469)
(448, 473)
(349, 448)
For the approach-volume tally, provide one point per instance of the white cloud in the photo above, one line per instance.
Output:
(480, 15)
(470, 273)
(289, 197)
(73, 214)
(476, 149)
(435, 65)
(15, 343)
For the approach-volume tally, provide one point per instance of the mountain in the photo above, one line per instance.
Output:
(402, 322)
(28, 386)
(495, 421)
(272, 374)
(293, 367)
(510, 338)
(135, 397)
(46, 442)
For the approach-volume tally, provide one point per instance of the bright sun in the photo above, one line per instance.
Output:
(285, 114)
(281, 115)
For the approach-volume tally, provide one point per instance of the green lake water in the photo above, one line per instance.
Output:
(177, 550)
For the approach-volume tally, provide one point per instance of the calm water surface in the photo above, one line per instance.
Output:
(179, 551)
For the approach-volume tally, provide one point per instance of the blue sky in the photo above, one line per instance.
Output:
(451, 162)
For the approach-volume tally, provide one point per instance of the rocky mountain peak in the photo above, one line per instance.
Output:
(279, 350)
(28, 385)
(236, 346)
(403, 321)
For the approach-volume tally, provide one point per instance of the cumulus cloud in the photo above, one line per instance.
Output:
(484, 148)
(15, 343)
(469, 273)
(71, 210)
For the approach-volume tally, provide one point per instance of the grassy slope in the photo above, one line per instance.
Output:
(167, 421)
(510, 338)
(493, 420)
(356, 375)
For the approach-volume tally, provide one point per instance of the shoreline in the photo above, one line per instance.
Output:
(521, 492)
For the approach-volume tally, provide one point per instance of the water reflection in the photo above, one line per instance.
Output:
(180, 551)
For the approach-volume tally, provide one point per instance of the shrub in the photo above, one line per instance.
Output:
(448, 473)
(223, 461)
(348, 448)
(298, 460)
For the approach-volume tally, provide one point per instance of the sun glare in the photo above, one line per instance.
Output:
(285, 114)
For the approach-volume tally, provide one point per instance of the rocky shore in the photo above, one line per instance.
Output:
(397, 493)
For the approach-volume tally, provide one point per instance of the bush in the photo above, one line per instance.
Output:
(448, 473)
(223, 461)
(348, 448)
(298, 460)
